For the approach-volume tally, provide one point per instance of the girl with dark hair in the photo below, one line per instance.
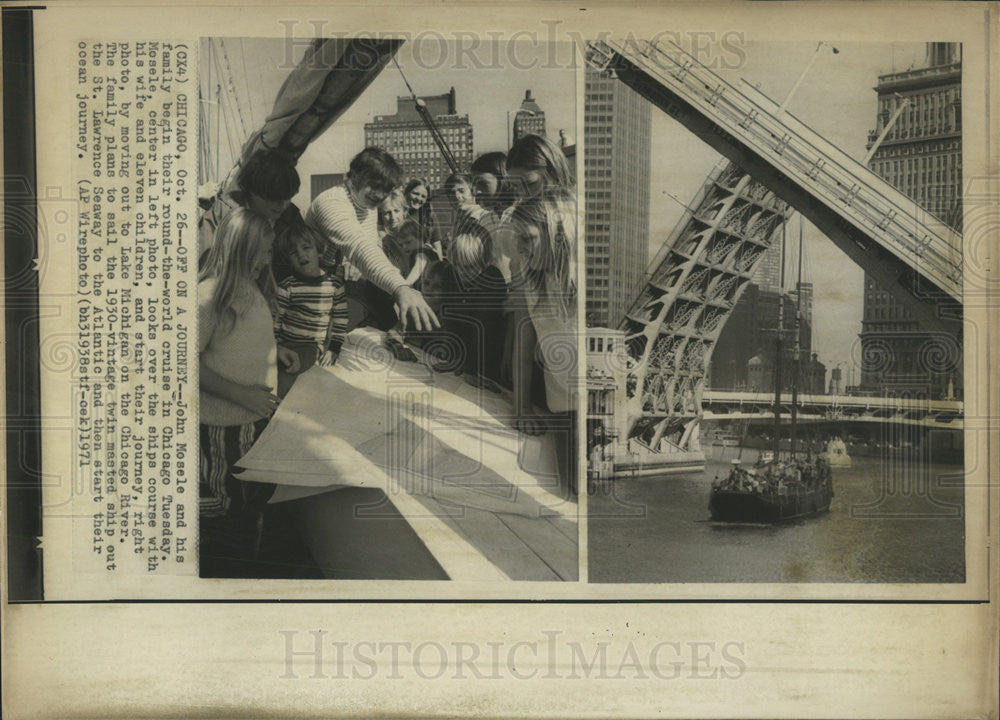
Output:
(490, 183)
(495, 193)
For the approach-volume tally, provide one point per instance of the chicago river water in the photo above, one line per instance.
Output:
(893, 519)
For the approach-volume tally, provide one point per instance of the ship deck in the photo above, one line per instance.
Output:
(392, 470)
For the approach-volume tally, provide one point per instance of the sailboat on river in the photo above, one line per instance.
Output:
(773, 491)
(776, 489)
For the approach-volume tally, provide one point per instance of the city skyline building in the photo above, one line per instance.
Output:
(617, 139)
(407, 138)
(606, 364)
(768, 273)
(319, 182)
(529, 118)
(921, 155)
(750, 333)
(836, 381)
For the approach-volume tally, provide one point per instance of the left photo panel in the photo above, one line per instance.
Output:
(387, 310)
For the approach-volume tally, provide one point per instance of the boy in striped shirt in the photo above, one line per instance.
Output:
(312, 307)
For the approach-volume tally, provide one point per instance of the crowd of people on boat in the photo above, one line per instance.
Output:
(490, 292)
(787, 477)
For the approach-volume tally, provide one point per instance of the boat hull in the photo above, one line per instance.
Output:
(735, 506)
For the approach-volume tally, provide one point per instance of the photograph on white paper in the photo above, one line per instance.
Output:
(387, 310)
(774, 312)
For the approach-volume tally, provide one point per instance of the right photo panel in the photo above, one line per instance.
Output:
(774, 312)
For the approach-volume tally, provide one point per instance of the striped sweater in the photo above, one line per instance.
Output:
(311, 311)
(351, 234)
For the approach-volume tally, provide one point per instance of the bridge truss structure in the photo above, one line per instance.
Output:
(774, 166)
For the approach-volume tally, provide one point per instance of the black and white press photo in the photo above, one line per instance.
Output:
(387, 310)
(482, 359)
(774, 312)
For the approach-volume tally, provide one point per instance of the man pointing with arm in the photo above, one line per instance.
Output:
(346, 216)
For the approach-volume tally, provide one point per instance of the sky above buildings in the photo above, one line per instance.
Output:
(837, 100)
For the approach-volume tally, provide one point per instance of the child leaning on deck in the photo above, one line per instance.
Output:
(311, 321)
(462, 200)
(417, 194)
(238, 374)
(391, 213)
(404, 249)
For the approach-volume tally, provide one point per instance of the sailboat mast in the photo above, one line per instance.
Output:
(778, 348)
(797, 348)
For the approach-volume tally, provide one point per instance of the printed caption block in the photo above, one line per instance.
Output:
(136, 276)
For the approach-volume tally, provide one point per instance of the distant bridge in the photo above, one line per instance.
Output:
(776, 164)
(723, 405)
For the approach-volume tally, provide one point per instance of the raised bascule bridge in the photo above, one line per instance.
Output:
(774, 165)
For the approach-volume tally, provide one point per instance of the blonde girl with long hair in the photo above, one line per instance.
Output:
(535, 164)
(238, 376)
(545, 320)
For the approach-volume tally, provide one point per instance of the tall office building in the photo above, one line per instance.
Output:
(922, 157)
(406, 136)
(616, 127)
(768, 273)
(529, 118)
(922, 154)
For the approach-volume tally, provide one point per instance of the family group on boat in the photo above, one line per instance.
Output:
(789, 477)
(497, 293)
